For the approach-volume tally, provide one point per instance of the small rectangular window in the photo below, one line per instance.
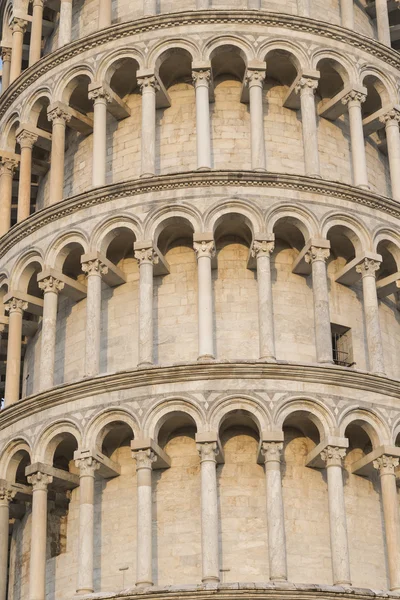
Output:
(342, 345)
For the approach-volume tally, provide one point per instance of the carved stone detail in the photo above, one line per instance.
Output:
(354, 96)
(263, 248)
(15, 305)
(99, 93)
(392, 116)
(51, 284)
(201, 77)
(94, 267)
(8, 166)
(19, 25)
(146, 256)
(386, 464)
(255, 78)
(333, 456)
(315, 253)
(5, 53)
(88, 466)
(208, 451)
(39, 481)
(26, 139)
(306, 83)
(271, 451)
(368, 267)
(58, 115)
(7, 494)
(204, 249)
(147, 83)
(144, 458)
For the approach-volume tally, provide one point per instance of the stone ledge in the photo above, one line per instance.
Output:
(192, 18)
(232, 591)
(162, 375)
(194, 179)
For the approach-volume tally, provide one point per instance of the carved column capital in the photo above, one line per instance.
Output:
(39, 481)
(315, 253)
(94, 267)
(100, 94)
(386, 464)
(271, 451)
(368, 267)
(144, 458)
(204, 248)
(306, 84)
(8, 166)
(354, 96)
(5, 53)
(7, 494)
(255, 78)
(26, 139)
(392, 117)
(264, 248)
(333, 456)
(18, 25)
(146, 256)
(15, 305)
(202, 77)
(58, 115)
(87, 465)
(39, 3)
(51, 284)
(208, 451)
(149, 83)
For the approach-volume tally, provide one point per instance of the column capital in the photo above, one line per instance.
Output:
(146, 256)
(271, 451)
(204, 248)
(94, 267)
(148, 82)
(100, 93)
(51, 284)
(39, 3)
(201, 77)
(316, 253)
(255, 77)
(144, 458)
(306, 84)
(386, 464)
(39, 481)
(7, 494)
(208, 451)
(354, 96)
(333, 456)
(18, 25)
(391, 117)
(87, 465)
(5, 53)
(15, 305)
(8, 165)
(57, 114)
(368, 267)
(262, 248)
(26, 138)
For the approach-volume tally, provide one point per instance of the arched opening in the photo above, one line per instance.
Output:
(235, 289)
(175, 293)
(364, 511)
(3, 340)
(306, 513)
(40, 153)
(176, 501)
(13, 146)
(242, 501)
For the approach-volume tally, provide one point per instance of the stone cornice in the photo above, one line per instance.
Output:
(245, 591)
(195, 179)
(162, 375)
(190, 18)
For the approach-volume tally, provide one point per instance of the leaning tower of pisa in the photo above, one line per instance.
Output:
(200, 300)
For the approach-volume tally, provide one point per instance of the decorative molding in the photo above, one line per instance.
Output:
(192, 18)
(195, 179)
(163, 375)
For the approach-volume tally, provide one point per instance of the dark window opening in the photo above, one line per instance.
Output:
(342, 346)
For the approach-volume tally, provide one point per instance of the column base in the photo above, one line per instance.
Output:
(266, 359)
(315, 175)
(260, 170)
(364, 186)
(328, 361)
(279, 578)
(144, 175)
(83, 591)
(145, 365)
(210, 580)
(344, 583)
(144, 584)
(206, 358)
(203, 169)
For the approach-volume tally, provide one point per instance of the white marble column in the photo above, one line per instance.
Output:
(105, 13)
(322, 322)
(6, 496)
(205, 251)
(59, 119)
(303, 8)
(149, 8)
(275, 515)
(94, 270)
(262, 251)
(146, 258)
(209, 511)
(149, 87)
(354, 100)
(382, 22)
(347, 13)
(6, 69)
(26, 140)
(7, 170)
(65, 25)
(386, 466)
(51, 288)
(15, 308)
(391, 121)
(255, 81)
(18, 28)
(367, 269)
(254, 4)
(87, 471)
(37, 564)
(201, 79)
(36, 31)
(100, 98)
(144, 548)
(332, 457)
(307, 87)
